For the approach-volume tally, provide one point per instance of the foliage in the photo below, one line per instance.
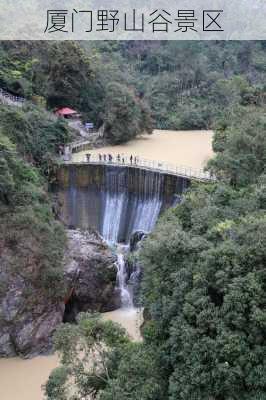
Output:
(125, 117)
(240, 146)
(179, 85)
(187, 85)
(33, 240)
(204, 279)
(99, 361)
(137, 376)
(64, 74)
(87, 352)
(36, 133)
(204, 287)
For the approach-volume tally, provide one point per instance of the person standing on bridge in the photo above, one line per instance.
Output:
(104, 157)
(100, 157)
(118, 158)
(110, 158)
(131, 159)
(88, 156)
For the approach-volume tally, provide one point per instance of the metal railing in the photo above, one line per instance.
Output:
(10, 98)
(143, 163)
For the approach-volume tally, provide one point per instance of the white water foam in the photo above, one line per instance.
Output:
(122, 278)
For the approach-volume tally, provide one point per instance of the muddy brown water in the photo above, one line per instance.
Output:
(23, 379)
(183, 148)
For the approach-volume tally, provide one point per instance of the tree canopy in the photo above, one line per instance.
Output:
(158, 84)
(204, 279)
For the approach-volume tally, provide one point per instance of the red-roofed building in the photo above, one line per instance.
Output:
(67, 112)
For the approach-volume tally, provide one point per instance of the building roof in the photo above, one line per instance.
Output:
(65, 111)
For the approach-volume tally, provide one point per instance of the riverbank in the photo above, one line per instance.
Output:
(185, 148)
(22, 379)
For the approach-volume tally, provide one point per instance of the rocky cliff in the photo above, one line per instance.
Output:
(28, 318)
(90, 274)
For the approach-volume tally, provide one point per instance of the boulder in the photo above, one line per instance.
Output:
(90, 273)
(28, 318)
(135, 240)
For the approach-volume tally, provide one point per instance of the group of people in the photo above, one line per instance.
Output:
(109, 158)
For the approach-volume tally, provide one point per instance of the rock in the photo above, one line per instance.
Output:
(135, 238)
(134, 266)
(90, 271)
(34, 336)
(28, 318)
(6, 347)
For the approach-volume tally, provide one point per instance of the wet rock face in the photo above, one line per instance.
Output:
(28, 318)
(135, 240)
(90, 272)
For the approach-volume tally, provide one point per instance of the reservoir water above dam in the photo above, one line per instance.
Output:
(189, 148)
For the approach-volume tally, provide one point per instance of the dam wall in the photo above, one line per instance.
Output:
(115, 200)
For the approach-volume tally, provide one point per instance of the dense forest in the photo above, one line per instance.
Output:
(29, 141)
(204, 283)
(137, 84)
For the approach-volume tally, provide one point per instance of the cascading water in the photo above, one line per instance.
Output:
(125, 211)
(122, 279)
(116, 202)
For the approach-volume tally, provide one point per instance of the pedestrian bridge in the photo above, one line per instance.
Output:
(144, 164)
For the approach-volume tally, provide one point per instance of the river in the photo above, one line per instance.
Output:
(23, 379)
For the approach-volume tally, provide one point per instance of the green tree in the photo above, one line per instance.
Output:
(36, 133)
(204, 290)
(137, 376)
(125, 116)
(88, 352)
(99, 361)
(240, 146)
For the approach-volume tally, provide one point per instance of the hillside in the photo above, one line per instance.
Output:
(138, 84)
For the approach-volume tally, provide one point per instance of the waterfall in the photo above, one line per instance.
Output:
(126, 294)
(112, 216)
(117, 202)
(146, 214)
(125, 210)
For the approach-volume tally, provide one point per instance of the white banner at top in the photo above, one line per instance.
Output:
(132, 20)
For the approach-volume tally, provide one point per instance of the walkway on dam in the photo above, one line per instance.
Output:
(142, 163)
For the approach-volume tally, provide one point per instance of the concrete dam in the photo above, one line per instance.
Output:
(116, 201)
